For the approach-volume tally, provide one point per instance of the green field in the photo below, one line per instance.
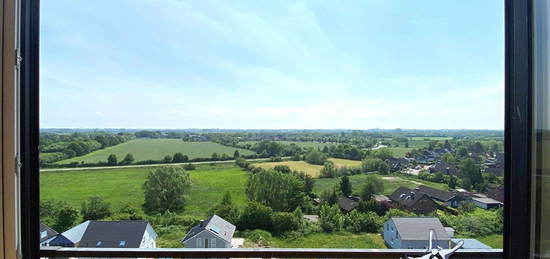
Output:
(400, 151)
(209, 183)
(156, 149)
(331, 240)
(391, 182)
(313, 170)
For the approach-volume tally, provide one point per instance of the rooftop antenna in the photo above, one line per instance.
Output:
(439, 252)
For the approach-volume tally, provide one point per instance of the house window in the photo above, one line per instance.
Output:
(122, 243)
(98, 243)
(206, 244)
(213, 243)
(199, 242)
(43, 234)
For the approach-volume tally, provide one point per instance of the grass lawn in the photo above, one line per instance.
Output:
(494, 241)
(313, 170)
(331, 240)
(210, 182)
(400, 151)
(391, 182)
(156, 149)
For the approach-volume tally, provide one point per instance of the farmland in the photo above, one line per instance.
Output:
(116, 186)
(156, 149)
(307, 168)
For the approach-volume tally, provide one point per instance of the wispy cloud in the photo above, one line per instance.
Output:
(279, 64)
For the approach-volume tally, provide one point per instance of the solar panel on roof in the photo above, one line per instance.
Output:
(216, 229)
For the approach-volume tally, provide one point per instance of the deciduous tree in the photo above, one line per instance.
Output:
(165, 189)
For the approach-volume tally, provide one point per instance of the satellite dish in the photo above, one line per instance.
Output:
(438, 253)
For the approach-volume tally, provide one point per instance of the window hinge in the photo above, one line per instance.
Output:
(18, 59)
(18, 164)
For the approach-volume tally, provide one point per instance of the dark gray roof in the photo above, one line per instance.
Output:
(495, 170)
(215, 225)
(416, 228)
(347, 204)
(49, 232)
(114, 234)
(406, 196)
(435, 193)
(445, 168)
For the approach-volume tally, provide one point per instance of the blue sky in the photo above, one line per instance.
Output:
(326, 64)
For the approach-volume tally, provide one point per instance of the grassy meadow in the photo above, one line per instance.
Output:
(209, 183)
(156, 149)
(313, 170)
(414, 143)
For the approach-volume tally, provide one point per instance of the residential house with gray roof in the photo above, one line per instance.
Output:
(108, 234)
(214, 232)
(414, 233)
(47, 234)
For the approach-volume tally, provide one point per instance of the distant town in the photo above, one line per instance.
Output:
(235, 188)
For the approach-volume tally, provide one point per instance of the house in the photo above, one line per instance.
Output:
(381, 198)
(447, 198)
(108, 234)
(497, 193)
(486, 203)
(413, 201)
(445, 168)
(47, 234)
(347, 204)
(470, 243)
(397, 164)
(498, 171)
(414, 233)
(214, 232)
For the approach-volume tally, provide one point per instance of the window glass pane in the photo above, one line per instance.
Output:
(298, 123)
(541, 190)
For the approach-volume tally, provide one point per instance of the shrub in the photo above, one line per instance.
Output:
(330, 218)
(256, 216)
(328, 170)
(284, 222)
(258, 236)
(65, 218)
(315, 157)
(189, 167)
(241, 162)
(95, 208)
(226, 209)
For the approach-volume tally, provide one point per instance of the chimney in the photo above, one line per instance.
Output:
(201, 224)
